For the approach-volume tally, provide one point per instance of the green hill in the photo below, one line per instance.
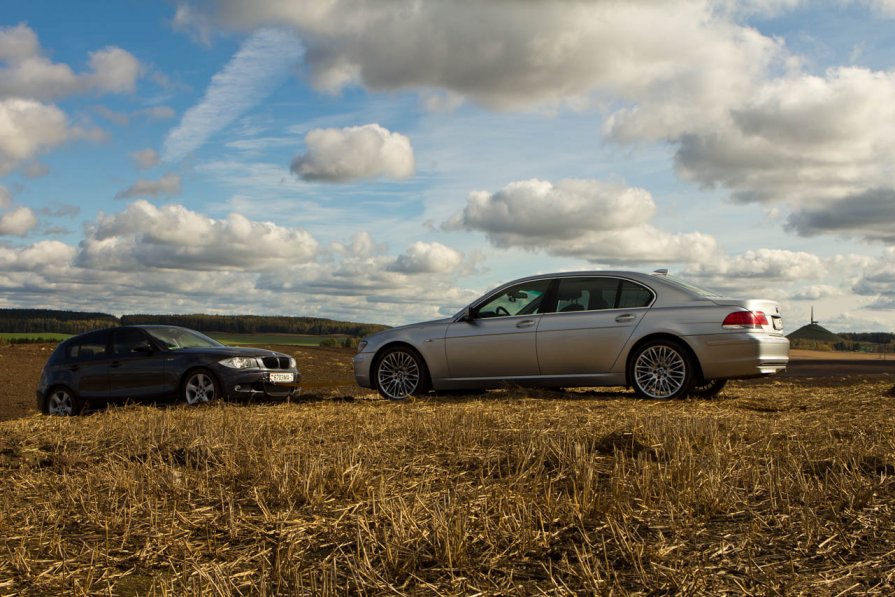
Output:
(814, 332)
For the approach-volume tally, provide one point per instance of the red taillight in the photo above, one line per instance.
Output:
(745, 319)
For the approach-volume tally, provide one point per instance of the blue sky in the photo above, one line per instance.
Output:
(389, 161)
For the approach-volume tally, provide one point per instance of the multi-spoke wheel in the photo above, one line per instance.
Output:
(400, 372)
(200, 386)
(707, 389)
(61, 402)
(661, 369)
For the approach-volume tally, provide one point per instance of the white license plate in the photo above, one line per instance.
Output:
(778, 323)
(281, 377)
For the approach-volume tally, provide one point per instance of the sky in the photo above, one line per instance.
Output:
(389, 161)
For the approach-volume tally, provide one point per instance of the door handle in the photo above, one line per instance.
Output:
(73, 368)
(115, 364)
(525, 324)
(626, 317)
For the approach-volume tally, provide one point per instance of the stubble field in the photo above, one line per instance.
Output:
(785, 486)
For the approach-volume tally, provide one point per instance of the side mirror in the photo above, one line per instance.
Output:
(467, 315)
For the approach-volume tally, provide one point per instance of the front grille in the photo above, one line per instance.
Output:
(276, 362)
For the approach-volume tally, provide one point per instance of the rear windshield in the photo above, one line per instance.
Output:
(699, 290)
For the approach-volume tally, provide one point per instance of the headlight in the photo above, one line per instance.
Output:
(361, 345)
(241, 363)
(292, 363)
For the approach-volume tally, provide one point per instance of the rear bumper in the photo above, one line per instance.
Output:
(742, 355)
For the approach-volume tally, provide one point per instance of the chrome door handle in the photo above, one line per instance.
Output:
(626, 317)
(525, 324)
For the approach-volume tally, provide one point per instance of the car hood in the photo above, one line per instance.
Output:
(411, 326)
(231, 351)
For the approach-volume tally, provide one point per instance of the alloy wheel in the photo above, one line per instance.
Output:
(398, 375)
(200, 387)
(660, 371)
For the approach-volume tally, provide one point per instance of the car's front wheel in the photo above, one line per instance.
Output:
(661, 369)
(400, 372)
(61, 401)
(200, 386)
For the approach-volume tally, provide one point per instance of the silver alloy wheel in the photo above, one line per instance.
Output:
(199, 387)
(398, 375)
(60, 402)
(660, 371)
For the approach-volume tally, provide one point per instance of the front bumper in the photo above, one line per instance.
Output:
(252, 383)
(363, 361)
(740, 355)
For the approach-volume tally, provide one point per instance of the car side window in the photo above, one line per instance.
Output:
(91, 346)
(522, 299)
(127, 342)
(586, 294)
(633, 295)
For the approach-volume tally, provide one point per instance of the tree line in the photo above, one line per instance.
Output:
(35, 321)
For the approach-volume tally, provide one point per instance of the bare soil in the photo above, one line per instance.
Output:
(786, 486)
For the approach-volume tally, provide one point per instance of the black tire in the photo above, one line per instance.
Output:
(661, 369)
(400, 372)
(61, 401)
(200, 386)
(707, 388)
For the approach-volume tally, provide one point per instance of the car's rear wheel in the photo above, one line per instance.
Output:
(707, 388)
(661, 369)
(200, 386)
(60, 401)
(400, 372)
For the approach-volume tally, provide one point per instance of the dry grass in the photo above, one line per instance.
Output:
(775, 488)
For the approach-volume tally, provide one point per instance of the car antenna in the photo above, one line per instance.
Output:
(661, 272)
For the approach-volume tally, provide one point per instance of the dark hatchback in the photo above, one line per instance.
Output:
(155, 362)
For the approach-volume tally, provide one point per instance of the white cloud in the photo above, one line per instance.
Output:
(167, 186)
(146, 158)
(768, 264)
(28, 128)
(173, 237)
(815, 292)
(29, 74)
(17, 222)
(512, 55)
(157, 113)
(358, 152)
(427, 258)
(589, 219)
(261, 65)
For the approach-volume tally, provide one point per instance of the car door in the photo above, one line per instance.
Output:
(88, 361)
(498, 339)
(137, 367)
(592, 321)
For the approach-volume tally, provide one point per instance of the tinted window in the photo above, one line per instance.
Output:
(127, 341)
(586, 294)
(90, 346)
(634, 295)
(521, 299)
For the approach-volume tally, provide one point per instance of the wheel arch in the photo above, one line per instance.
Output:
(398, 344)
(78, 402)
(629, 370)
(198, 367)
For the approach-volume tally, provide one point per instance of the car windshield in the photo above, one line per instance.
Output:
(176, 338)
(704, 292)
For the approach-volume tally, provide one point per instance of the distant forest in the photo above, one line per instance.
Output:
(258, 324)
(74, 322)
(874, 337)
(33, 321)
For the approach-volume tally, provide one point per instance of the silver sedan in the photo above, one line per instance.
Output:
(662, 336)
